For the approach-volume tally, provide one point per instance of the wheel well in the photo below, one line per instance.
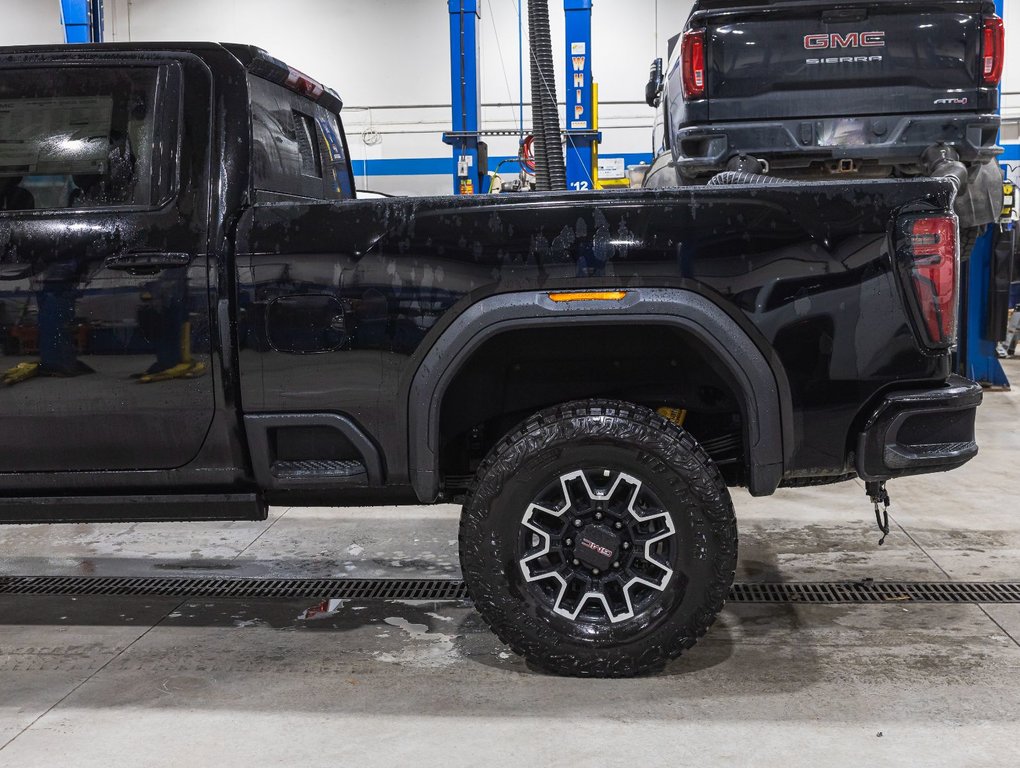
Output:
(516, 373)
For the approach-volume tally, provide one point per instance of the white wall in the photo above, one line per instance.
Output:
(1011, 91)
(1011, 70)
(383, 54)
(391, 53)
(30, 22)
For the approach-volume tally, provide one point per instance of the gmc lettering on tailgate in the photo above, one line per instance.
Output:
(849, 40)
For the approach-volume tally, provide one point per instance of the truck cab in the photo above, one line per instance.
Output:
(124, 172)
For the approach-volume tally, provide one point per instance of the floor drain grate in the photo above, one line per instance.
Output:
(823, 593)
(347, 589)
(877, 592)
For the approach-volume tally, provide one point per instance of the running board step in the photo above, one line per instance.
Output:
(361, 468)
(346, 469)
(133, 509)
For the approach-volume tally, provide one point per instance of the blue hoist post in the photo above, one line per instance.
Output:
(82, 20)
(980, 361)
(582, 135)
(468, 177)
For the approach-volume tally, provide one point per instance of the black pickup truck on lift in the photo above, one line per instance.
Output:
(200, 318)
(805, 89)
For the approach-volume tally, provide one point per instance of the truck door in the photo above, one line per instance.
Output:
(309, 395)
(104, 304)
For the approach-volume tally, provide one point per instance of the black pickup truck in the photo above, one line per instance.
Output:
(200, 318)
(809, 89)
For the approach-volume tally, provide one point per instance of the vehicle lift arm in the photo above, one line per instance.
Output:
(82, 20)
(469, 154)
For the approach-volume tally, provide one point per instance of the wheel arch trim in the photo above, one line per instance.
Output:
(765, 392)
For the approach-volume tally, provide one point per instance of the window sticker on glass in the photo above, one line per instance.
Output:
(55, 135)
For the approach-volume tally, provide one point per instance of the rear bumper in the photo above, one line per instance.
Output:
(920, 431)
(793, 144)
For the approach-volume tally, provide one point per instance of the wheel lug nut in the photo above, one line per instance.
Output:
(568, 542)
(616, 564)
(598, 515)
(626, 545)
(575, 561)
(595, 571)
(578, 523)
(618, 525)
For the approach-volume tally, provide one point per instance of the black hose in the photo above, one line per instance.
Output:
(537, 110)
(943, 162)
(743, 177)
(551, 112)
(549, 161)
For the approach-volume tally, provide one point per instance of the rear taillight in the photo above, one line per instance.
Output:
(692, 64)
(929, 257)
(993, 49)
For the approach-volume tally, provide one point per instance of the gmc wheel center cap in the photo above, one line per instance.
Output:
(597, 546)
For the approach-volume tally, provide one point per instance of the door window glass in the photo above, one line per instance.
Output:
(282, 151)
(297, 147)
(77, 137)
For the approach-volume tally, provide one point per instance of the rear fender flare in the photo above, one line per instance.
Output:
(766, 402)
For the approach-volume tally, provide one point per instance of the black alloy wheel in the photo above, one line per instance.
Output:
(598, 539)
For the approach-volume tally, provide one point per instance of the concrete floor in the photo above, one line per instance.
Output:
(165, 682)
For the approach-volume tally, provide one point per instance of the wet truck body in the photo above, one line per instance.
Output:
(200, 318)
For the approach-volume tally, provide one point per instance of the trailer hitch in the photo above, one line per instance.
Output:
(880, 498)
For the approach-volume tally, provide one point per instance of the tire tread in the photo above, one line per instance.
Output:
(711, 491)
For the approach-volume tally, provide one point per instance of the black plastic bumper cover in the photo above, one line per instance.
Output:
(793, 143)
(920, 431)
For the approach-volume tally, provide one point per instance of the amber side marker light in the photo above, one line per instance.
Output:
(589, 296)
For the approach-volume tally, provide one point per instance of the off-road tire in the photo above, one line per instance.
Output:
(594, 434)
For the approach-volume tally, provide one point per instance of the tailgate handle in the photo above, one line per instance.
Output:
(147, 262)
(844, 14)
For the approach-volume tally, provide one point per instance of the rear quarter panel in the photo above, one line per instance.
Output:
(805, 269)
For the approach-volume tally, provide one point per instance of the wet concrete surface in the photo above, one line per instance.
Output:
(92, 681)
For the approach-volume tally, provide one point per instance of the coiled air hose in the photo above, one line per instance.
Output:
(551, 171)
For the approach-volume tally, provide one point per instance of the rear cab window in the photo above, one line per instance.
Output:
(297, 149)
(82, 138)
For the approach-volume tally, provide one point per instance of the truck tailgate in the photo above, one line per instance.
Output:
(811, 59)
